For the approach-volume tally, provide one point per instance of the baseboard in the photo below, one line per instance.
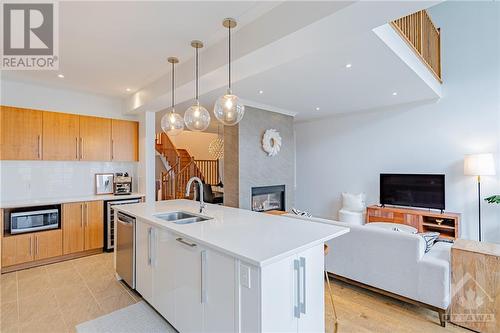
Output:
(49, 261)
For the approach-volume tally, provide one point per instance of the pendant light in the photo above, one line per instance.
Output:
(216, 147)
(172, 122)
(228, 109)
(197, 118)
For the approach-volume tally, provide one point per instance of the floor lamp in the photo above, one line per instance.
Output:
(479, 165)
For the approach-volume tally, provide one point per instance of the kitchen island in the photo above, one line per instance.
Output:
(238, 271)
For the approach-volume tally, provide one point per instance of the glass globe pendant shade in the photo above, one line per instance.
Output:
(172, 123)
(197, 118)
(229, 110)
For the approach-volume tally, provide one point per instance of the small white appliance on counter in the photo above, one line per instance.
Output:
(122, 184)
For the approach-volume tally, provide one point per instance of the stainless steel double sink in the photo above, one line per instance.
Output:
(181, 217)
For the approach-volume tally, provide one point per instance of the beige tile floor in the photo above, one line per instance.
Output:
(55, 298)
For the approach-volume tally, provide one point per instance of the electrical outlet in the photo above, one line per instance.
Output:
(245, 276)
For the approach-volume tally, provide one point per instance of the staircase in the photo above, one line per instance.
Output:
(182, 166)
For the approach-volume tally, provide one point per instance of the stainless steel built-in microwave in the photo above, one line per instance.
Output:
(21, 222)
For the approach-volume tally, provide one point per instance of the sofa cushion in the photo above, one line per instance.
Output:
(353, 202)
(430, 239)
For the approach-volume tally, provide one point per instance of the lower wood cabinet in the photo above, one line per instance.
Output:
(19, 249)
(83, 226)
(48, 244)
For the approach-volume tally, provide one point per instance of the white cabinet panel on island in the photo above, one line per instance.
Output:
(164, 275)
(219, 276)
(143, 262)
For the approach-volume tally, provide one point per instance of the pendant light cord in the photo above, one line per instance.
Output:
(197, 75)
(173, 88)
(229, 52)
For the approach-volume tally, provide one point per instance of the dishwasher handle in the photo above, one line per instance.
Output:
(125, 219)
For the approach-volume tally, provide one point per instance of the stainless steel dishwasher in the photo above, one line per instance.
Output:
(125, 248)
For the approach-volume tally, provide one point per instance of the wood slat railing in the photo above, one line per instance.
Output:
(166, 147)
(190, 170)
(424, 38)
(210, 170)
(182, 167)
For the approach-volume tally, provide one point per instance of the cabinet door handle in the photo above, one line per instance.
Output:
(296, 308)
(31, 246)
(303, 266)
(203, 276)
(76, 151)
(81, 148)
(87, 214)
(39, 146)
(149, 245)
(185, 242)
(81, 215)
(36, 245)
(112, 149)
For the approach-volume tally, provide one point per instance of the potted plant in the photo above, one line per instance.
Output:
(493, 199)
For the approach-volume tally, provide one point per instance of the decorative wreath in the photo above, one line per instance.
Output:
(271, 142)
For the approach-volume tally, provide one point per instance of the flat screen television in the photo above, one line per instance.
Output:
(413, 190)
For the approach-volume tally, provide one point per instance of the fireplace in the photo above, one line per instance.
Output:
(268, 198)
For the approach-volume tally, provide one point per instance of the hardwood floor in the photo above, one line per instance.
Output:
(360, 310)
(55, 298)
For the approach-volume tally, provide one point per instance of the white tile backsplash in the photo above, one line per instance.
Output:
(20, 180)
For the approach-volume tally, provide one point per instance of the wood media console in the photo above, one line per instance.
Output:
(447, 224)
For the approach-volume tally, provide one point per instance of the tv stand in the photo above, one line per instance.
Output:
(447, 224)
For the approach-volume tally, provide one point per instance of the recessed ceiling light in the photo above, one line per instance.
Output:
(60, 76)
(348, 66)
(317, 108)
(128, 90)
(261, 92)
(395, 93)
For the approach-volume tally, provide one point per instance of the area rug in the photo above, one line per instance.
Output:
(139, 317)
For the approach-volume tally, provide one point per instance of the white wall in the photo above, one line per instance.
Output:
(25, 180)
(34, 96)
(21, 180)
(196, 143)
(347, 153)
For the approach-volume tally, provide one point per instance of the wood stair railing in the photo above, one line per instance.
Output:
(423, 37)
(166, 148)
(182, 167)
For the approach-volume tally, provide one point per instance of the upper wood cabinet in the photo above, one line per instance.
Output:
(61, 134)
(43, 135)
(124, 140)
(21, 134)
(95, 139)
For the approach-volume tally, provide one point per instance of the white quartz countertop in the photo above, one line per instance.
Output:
(55, 201)
(256, 238)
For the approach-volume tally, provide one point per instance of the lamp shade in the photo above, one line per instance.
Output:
(479, 165)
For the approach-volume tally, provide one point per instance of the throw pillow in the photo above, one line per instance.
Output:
(429, 238)
(353, 202)
(301, 212)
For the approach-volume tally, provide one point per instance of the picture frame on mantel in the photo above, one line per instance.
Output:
(104, 183)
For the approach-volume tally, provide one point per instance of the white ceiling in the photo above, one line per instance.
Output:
(295, 52)
(106, 47)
